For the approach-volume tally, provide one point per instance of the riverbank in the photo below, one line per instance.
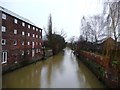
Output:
(99, 65)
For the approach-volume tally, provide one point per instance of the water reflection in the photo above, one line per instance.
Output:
(87, 78)
(52, 67)
(60, 71)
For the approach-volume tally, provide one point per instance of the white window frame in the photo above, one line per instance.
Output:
(22, 53)
(40, 36)
(15, 31)
(33, 44)
(23, 24)
(33, 35)
(4, 42)
(28, 43)
(36, 36)
(36, 43)
(28, 52)
(36, 29)
(23, 43)
(4, 57)
(15, 21)
(33, 28)
(23, 33)
(28, 34)
(33, 53)
(29, 26)
(36, 50)
(3, 28)
(40, 43)
(14, 42)
(39, 50)
(3, 16)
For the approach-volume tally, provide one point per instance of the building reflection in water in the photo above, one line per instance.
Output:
(25, 77)
(60, 71)
(30, 76)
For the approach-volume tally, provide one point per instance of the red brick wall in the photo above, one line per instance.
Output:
(102, 60)
(14, 51)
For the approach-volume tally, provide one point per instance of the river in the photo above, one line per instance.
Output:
(63, 70)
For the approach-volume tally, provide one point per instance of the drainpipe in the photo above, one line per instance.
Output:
(0, 51)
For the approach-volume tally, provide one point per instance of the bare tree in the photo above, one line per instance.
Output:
(72, 42)
(62, 33)
(92, 28)
(97, 27)
(114, 16)
(85, 28)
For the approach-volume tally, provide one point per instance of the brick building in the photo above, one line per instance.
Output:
(21, 40)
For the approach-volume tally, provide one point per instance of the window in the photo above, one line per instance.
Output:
(23, 33)
(22, 53)
(15, 21)
(3, 16)
(36, 43)
(3, 41)
(28, 26)
(36, 36)
(33, 44)
(39, 50)
(40, 30)
(14, 42)
(36, 29)
(33, 35)
(3, 29)
(28, 34)
(33, 28)
(28, 52)
(23, 24)
(33, 53)
(40, 36)
(28, 43)
(4, 57)
(23, 43)
(36, 50)
(15, 31)
(40, 43)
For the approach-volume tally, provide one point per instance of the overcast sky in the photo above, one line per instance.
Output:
(66, 14)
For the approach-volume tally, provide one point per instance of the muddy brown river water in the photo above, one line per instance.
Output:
(60, 71)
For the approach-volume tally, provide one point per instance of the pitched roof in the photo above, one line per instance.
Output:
(109, 39)
(15, 15)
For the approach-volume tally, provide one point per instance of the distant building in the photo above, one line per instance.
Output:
(21, 40)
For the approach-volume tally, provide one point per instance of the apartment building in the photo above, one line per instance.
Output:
(21, 40)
